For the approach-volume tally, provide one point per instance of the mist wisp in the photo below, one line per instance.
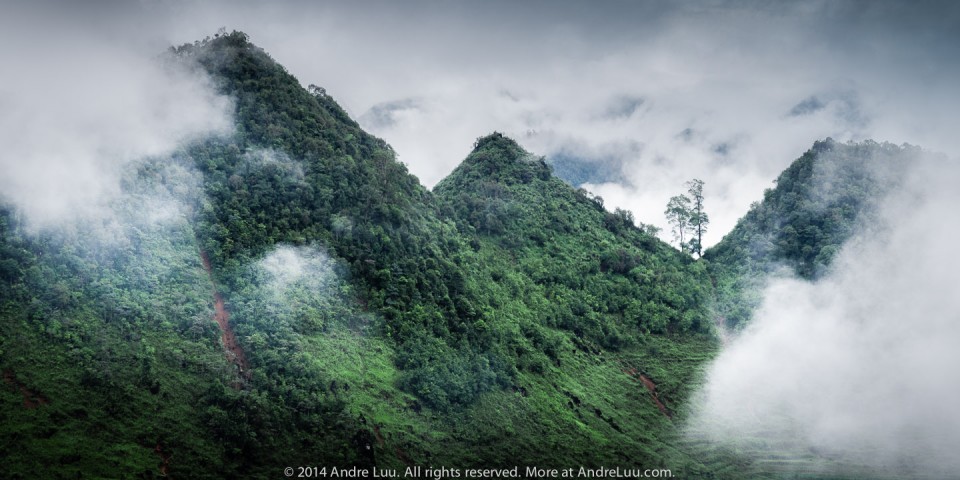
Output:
(82, 111)
(296, 286)
(288, 267)
(277, 161)
(858, 370)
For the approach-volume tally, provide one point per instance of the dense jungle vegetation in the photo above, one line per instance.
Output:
(504, 318)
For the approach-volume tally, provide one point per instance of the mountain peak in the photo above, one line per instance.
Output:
(498, 158)
(498, 141)
(234, 39)
(234, 56)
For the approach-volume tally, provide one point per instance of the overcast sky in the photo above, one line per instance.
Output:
(657, 94)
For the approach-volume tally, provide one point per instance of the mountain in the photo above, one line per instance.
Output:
(307, 301)
(606, 324)
(820, 200)
(295, 297)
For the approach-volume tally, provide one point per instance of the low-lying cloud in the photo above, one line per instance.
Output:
(861, 367)
(299, 287)
(288, 272)
(278, 161)
(76, 107)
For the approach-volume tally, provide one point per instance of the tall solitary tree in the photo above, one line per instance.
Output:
(678, 214)
(698, 218)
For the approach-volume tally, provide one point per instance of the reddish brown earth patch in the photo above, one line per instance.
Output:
(378, 435)
(235, 353)
(403, 457)
(648, 383)
(31, 399)
(650, 386)
(164, 460)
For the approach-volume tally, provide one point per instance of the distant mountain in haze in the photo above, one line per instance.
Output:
(819, 201)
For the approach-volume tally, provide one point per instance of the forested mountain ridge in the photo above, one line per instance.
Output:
(503, 319)
(509, 199)
(377, 323)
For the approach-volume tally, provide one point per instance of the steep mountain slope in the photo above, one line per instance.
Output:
(301, 172)
(108, 329)
(819, 201)
(599, 272)
(461, 348)
(605, 322)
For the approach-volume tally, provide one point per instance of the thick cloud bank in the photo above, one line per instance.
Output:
(648, 94)
(76, 107)
(863, 366)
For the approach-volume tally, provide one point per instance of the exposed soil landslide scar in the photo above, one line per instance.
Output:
(234, 352)
(651, 387)
(31, 399)
(164, 460)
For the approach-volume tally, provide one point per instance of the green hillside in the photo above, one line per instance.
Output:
(505, 320)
